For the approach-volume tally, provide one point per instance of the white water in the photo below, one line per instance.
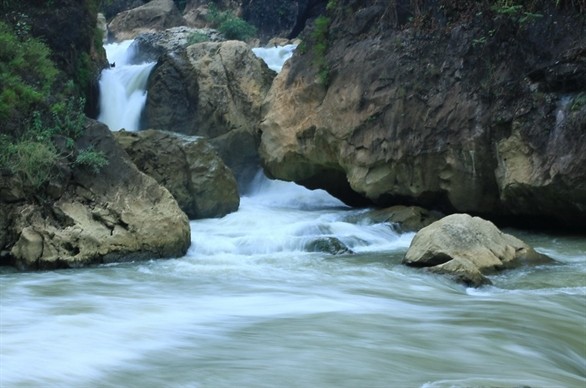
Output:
(123, 88)
(275, 57)
(249, 307)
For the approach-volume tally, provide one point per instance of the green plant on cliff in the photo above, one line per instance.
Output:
(26, 74)
(229, 24)
(95, 160)
(34, 121)
(320, 48)
(197, 37)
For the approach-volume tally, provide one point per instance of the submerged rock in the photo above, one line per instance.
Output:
(189, 167)
(331, 245)
(468, 248)
(403, 218)
(118, 214)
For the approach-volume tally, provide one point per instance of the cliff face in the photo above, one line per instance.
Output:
(461, 106)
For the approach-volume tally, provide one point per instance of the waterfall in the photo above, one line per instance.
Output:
(276, 56)
(123, 88)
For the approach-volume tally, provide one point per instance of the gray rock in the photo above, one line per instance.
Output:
(468, 248)
(189, 167)
(118, 214)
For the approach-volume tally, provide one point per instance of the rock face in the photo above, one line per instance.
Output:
(213, 90)
(151, 46)
(462, 109)
(188, 167)
(155, 15)
(118, 214)
(467, 248)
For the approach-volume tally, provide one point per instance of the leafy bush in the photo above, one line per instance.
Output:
(229, 24)
(197, 37)
(320, 48)
(26, 74)
(33, 161)
(95, 160)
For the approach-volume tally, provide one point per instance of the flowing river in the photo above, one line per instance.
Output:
(248, 306)
(252, 305)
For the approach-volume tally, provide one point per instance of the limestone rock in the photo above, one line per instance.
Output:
(403, 218)
(430, 117)
(156, 15)
(468, 248)
(119, 214)
(214, 90)
(189, 167)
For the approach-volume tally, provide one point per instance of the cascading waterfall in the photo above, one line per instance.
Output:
(123, 88)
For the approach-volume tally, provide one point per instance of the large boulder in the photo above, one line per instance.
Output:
(156, 15)
(468, 248)
(214, 90)
(118, 214)
(447, 106)
(150, 46)
(189, 167)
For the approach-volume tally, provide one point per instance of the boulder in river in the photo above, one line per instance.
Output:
(214, 90)
(468, 248)
(189, 167)
(118, 214)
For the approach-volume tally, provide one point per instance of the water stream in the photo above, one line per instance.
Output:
(123, 88)
(250, 305)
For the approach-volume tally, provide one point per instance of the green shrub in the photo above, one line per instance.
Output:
(26, 74)
(197, 37)
(95, 160)
(231, 26)
(236, 28)
(34, 162)
(320, 48)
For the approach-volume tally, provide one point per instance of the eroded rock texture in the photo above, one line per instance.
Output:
(468, 248)
(85, 218)
(213, 90)
(452, 106)
(189, 167)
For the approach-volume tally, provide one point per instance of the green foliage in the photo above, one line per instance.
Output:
(33, 161)
(197, 37)
(95, 160)
(231, 26)
(578, 102)
(515, 11)
(26, 73)
(320, 48)
(331, 5)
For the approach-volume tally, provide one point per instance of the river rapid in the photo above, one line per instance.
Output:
(249, 306)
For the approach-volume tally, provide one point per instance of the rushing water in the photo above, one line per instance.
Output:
(123, 88)
(248, 306)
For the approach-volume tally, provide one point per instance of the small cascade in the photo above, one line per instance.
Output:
(123, 88)
(275, 57)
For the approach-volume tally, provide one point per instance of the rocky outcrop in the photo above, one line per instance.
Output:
(151, 46)
(213, 90)
(85, 218)
(448, 105)
(156, 15)
(468, 248)
(189, 167)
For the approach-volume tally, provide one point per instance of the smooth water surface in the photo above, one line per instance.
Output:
(248, 306)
